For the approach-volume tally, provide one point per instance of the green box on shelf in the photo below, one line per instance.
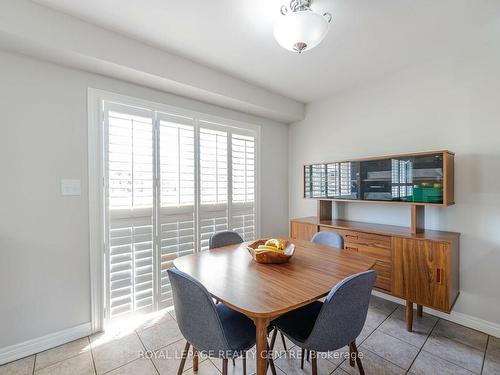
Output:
(427, 195)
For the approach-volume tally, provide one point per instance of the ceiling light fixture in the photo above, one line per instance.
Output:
(300, 28)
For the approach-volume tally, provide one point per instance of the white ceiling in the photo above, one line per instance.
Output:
(368, 38)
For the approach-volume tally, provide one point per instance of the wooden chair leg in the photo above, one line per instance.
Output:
(358, 360)
(314, 363)
(351, 356)
(273, 338)
(183, 360)
(224, 366)
(244, 359)
(283, 339)
(195, 360)
(302, 359)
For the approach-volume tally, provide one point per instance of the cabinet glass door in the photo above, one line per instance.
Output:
(425, 179)
(315, 181)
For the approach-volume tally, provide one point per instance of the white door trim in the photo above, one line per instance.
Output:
(96, 203)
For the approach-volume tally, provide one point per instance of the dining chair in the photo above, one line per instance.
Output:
(224, 238)
(333, 324)
(328, 238)
(214, 330)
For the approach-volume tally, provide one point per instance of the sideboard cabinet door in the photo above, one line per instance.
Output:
(302, 231)
(421, 272)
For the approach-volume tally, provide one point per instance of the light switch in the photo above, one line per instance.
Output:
(71, 187)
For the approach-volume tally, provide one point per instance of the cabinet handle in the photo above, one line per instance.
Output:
(438, 275)
(351, 236)
(351, 248)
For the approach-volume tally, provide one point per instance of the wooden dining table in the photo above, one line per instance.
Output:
(263, 292)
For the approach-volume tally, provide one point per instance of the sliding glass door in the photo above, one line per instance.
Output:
(170, 181)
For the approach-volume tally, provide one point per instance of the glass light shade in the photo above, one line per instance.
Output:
(301, 30)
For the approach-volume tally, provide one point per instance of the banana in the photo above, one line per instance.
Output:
(279, 244)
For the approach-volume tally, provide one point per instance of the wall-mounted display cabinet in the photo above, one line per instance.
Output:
(417, 264)
(418, 178)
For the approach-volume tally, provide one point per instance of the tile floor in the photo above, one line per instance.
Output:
(435, 347)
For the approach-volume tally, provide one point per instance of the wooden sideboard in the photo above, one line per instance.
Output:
(422, 268)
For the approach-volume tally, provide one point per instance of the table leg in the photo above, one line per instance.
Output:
(262, 353)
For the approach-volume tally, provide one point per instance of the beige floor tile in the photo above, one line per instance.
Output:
(116, 353)
(205, 368)
(455, 352)
(365, 332)
(290, 364)
(167, 359)
(237, 369)
(424, 323)
(339, 371)
(428, 364)
(153, 319)
(59, 353)
(461, 334)
(160, 335)
(383, 304)
(391, 348)
(22, 366)
(492, 360)
(137, 367)
(396, 327)
(79, 365)
(373, 365)
(375, 317)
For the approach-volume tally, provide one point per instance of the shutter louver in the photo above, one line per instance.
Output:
(213, 182)
(177, 195)
(130, 215)
(243, 185)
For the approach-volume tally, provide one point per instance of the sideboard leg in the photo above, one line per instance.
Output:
(420, 310)
(409, 316)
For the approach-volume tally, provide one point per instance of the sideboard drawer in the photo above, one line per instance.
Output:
(362, 238)
(377, 253)
(368, 239)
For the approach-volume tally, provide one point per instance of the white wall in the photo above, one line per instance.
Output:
(44, 237)
(72, 42)
(449, 104)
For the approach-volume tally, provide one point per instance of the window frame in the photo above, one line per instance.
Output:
(97, 182)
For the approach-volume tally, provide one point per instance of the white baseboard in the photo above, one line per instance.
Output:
(470, 321)
(39, 344)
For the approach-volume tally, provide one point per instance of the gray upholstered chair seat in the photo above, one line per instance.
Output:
(298, 324)
(239, 330)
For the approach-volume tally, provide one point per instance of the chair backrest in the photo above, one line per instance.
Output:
(343, 314)
(196, 313)
(328, 238)
(224, 238)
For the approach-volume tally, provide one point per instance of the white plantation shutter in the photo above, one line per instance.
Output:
(243, 185)
(213, 154)
(171, 181)
(177, 195)
(130, 209)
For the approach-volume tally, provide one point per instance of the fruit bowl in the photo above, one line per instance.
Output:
(271, 257)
